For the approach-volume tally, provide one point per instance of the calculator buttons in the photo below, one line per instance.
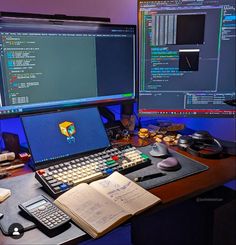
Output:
(41, 208)
(45, 212)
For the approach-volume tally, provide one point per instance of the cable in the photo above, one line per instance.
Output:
(138, 120)
(1, 140)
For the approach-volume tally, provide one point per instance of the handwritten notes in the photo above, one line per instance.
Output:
(92, 207)
(125, 193)
(104, 204)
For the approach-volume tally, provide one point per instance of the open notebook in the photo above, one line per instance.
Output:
(102, 205)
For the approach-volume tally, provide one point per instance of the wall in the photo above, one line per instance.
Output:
(122, 11)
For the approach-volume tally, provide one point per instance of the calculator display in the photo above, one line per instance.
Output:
(36, 204)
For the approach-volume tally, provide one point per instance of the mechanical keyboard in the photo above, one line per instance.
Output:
(61, 177)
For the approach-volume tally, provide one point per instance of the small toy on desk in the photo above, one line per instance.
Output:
(24, 156)
(158, 140)
(168, 139)
(171, 139)
(143, 133)
(4, 194)
(160, 136)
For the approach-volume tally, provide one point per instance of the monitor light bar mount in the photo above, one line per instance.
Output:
(55, 18)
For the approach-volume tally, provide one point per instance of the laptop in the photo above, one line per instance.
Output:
(62, 135)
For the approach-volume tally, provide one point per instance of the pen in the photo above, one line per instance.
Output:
(4, 164)
(12, 167)
(146, 177)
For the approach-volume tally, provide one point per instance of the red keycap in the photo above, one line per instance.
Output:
(115, 158)
(41, 171)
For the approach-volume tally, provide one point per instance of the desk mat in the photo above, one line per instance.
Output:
(22, 189)
(26, 187)
(188, 167)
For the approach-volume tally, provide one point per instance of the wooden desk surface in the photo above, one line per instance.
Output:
(220, 171)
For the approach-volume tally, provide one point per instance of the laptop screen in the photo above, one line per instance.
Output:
(56, 135)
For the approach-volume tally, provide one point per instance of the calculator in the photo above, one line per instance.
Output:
(44, 212)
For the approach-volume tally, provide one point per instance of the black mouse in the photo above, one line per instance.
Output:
(169, 164)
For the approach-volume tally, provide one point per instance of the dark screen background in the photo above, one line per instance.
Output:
(115, 65)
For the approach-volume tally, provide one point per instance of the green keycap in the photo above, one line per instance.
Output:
(110, 162)
(144, 156)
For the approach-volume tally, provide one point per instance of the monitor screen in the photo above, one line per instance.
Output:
(54, 65)
(58, 135)
(187, 58)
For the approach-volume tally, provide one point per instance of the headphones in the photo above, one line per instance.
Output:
(201, 144)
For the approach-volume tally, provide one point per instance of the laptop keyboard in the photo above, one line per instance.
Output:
(61, 177)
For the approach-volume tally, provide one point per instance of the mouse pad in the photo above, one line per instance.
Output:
(188, 167)
(22, 189)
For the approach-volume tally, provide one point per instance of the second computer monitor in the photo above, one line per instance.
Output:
(187, 58)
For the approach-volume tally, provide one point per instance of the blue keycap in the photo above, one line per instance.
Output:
(64, 187)
(109, 171)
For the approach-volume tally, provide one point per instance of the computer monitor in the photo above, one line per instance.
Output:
(187, 58)
(49, 65)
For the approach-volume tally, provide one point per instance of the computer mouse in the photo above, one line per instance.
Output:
(169, 164)
(159, 150)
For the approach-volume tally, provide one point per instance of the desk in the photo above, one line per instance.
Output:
(220, 171)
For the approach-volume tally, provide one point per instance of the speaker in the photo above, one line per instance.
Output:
(201, 144)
